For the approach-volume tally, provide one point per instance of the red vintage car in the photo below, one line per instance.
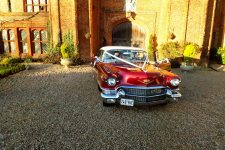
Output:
(125, 76)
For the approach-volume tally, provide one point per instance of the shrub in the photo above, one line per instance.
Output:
(7, 70)
(151, 49)
(27, 60)
(65, 51)
(10, 61)
(171, 50)
(77, 60)
(191, 53)
(221, 52)
(54, 55)
(68, 48)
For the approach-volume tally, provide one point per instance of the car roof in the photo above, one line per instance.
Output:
(107, 48)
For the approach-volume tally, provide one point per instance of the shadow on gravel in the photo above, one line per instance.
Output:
(53, 108)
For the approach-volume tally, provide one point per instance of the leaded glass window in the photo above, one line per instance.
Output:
(8, 40)
(23, 41)
(36, 5)
(40, 41)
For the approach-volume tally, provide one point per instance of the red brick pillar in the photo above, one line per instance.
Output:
(209, 14)
(55, 21)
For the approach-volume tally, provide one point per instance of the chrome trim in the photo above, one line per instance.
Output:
(110, 96)
(176, 95)
(146, 96)
(170, 93)
(110, 101)
(173, 93)
(142, 87)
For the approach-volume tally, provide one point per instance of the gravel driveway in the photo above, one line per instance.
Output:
(49, 107)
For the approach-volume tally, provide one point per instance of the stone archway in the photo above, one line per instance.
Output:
(128, 34)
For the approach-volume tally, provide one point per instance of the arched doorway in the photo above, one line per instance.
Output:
(128, 34)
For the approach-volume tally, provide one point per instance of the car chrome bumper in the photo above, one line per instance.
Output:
(112, 96)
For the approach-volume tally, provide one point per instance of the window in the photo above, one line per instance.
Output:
(8, 39)
(9, 6)
(36, 5)
(23, 41)
(130, 6)
(39, 41)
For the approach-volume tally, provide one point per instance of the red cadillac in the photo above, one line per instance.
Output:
(125, 76)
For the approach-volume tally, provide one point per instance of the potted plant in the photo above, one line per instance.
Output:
(191, 57)
(221, 52)
(67, 52)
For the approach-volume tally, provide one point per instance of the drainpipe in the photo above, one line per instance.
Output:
(59, 23)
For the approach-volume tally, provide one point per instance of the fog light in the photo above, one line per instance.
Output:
(111, 101)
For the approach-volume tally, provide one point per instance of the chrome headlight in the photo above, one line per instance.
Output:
(111, 81)
(175, 82)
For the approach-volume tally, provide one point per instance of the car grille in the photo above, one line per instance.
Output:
(146, 99)
(144, 92)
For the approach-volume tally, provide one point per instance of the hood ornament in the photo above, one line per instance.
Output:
(146, 81)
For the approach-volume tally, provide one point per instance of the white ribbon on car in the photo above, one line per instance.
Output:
(125, 61)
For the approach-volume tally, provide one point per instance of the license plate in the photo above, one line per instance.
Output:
(127, 102)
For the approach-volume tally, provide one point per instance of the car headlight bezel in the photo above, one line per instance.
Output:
(111, 81)
(175, 82)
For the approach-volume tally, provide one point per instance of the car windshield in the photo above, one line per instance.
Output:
(132, 57)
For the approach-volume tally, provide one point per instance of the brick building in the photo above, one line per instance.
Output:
(25, 24)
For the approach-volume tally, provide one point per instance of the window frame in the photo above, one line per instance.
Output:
(40, 41)
(9, 41)
(21, 41)
(45, 6)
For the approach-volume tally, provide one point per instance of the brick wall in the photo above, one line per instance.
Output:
(94, 27)
(218, 31)
(17, 20)
(223, 28)
(4, 6)
(83, 28)
(178, 19)
(188, 20)
(112, 13)
(93, 21)
(194, 24)
(17, 5)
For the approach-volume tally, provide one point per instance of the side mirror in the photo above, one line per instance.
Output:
(96, 60)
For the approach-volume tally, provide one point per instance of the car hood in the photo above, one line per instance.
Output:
(132, 76)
